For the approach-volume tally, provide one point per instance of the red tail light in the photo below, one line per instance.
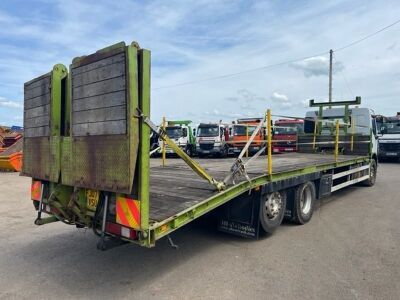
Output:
(122, 231)
(36, 190)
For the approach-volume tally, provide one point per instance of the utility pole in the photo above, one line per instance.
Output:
(330, 74)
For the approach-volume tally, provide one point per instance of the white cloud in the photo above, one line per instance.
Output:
(281, 98)
(10, 104)
(317, 66)
(245, 98)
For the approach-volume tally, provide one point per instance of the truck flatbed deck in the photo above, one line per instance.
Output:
(175, 187)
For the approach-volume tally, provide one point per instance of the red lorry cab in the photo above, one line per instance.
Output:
(285, 135)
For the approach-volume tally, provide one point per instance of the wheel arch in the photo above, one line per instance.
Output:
(375, 157)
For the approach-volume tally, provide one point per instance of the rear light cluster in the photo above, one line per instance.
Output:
(122, 231)
(36, 190)
(46, 208)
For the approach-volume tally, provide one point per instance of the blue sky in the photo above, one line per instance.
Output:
(194, 40)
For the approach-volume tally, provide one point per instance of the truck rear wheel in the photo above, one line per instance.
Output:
(303, 203)
(372, 174)
(272, 210)
(224, 153)
(189, 151)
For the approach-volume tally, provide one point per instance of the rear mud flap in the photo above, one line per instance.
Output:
(241, 216)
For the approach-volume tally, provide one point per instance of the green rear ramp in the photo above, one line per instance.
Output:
(42, 115)
(102, 149)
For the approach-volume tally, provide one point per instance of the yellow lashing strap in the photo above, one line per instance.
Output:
(190, 162)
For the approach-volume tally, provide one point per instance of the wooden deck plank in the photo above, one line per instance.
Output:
(176, 187)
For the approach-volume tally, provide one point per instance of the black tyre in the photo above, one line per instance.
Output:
(224, 152)
(303, 203)
(189, 151)
(372, 174)
(272, 210)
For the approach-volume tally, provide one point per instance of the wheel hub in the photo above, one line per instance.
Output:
(373, 171)
(305, 200)
(273, 205)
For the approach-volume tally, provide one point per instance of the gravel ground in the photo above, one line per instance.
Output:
(349, 250)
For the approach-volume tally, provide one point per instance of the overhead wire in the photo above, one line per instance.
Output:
(241, 72)
(223, 76)
(366, 37)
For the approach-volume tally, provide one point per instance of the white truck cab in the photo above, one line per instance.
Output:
(212, 139)
(181, 134)
(389, 137)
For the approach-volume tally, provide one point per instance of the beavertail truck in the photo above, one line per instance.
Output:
(285, 135)
(212, 139)
(86, 148)
(240, 133)
(389, 139)
(181, 132)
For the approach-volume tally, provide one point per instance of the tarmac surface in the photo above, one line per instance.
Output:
(349, 250)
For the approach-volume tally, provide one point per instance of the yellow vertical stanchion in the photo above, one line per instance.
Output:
(337, 141)
(269, 142)
(247, 139)
(315, 133)
(353, 125)
(163, 143)
(265, 132)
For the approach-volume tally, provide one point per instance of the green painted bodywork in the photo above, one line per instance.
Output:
(357, 101)
(179, 122)
(59, 72)
(133, 104)
(144, 157)
(346, 104)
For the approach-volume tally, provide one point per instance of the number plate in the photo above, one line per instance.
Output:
(391, 153)
(92, 198)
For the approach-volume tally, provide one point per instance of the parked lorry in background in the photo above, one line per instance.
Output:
(285, 135)
(389, 139)
(212, 140)
(181, 132)
(240, 133)
(87, 149)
